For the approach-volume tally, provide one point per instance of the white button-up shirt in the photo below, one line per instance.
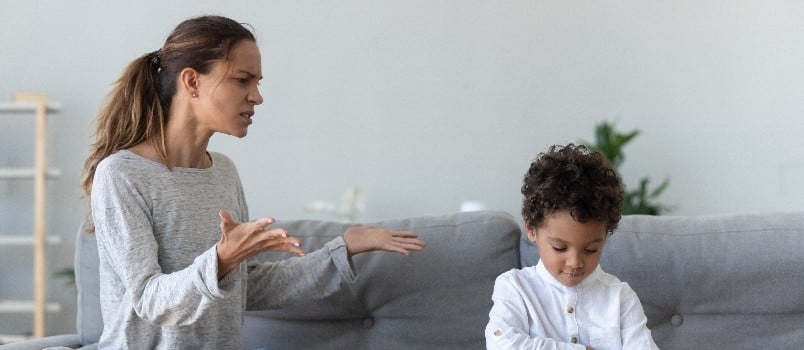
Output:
(532, 310)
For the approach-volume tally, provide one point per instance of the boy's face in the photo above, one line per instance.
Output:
(570, 250)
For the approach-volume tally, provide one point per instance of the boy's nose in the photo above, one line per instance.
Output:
(574, 261)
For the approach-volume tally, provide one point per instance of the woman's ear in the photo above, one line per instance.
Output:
(189, 81)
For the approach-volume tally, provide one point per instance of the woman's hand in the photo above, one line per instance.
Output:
(242, 240)
(361, 239)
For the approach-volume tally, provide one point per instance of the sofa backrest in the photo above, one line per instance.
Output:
(708, 282)
(711, 281)
(435, 299)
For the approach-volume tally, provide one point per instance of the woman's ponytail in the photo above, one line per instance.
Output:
(131, 115)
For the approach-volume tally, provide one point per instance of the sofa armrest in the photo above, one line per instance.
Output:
(64, 340)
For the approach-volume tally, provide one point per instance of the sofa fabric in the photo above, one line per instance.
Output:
(434, 299)
(708, 282)
(733, 281)
(88, 321)
(438, 298)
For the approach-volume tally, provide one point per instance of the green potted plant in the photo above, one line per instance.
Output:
(642, 199)
(68, 275)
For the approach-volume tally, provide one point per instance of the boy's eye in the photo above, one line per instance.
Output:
(591, 251)
(559, 249)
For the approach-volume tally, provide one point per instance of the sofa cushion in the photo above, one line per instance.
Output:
(528, 251)
(710, 281)
(89, 323)
(435, 299)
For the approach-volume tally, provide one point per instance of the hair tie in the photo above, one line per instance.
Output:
(155, 59)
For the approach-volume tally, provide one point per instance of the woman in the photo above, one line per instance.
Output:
(175, 242)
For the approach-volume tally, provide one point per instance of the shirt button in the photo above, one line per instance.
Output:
(574, 340)
(497, 333)
(570, 309)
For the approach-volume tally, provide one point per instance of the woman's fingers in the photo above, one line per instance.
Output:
(272, 233)
(225, 216)
(407, 234)
(286, 248)
(403, 242)
(409, 246)
(410, 242)
(276, 239)
(405, 245)
(396, 249)
(275, 236)
(226, 220)
(261, 224)
(283, 244)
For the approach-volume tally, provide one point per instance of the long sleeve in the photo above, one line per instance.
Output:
(299, 279)
(634, 332)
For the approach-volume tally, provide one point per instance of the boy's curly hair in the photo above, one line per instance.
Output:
(576, 179)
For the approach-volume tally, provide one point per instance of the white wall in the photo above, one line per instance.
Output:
(427, 103)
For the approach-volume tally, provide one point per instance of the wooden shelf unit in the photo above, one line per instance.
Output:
(39, 105)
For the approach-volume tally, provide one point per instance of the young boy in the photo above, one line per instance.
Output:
(572, 202)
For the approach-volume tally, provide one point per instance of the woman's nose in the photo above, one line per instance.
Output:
(255, 97)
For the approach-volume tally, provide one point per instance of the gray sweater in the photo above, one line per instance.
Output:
(157, 231)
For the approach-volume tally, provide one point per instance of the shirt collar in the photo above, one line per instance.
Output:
(548, 277)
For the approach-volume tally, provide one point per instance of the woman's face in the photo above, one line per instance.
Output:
(228, 94)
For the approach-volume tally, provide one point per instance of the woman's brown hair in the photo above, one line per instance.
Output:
(136, 109)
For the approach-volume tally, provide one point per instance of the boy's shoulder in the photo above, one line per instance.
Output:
(523, 271)
(519, 276)
(606, 280)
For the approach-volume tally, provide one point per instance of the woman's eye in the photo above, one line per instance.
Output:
(559, 249)
(591, 251)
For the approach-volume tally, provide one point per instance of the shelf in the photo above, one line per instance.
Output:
(39, 105)
(8, 339)
(25, 306)
(26, 107)
(26, 173)
(26, 240)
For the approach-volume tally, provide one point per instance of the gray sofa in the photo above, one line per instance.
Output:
(731, 281)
